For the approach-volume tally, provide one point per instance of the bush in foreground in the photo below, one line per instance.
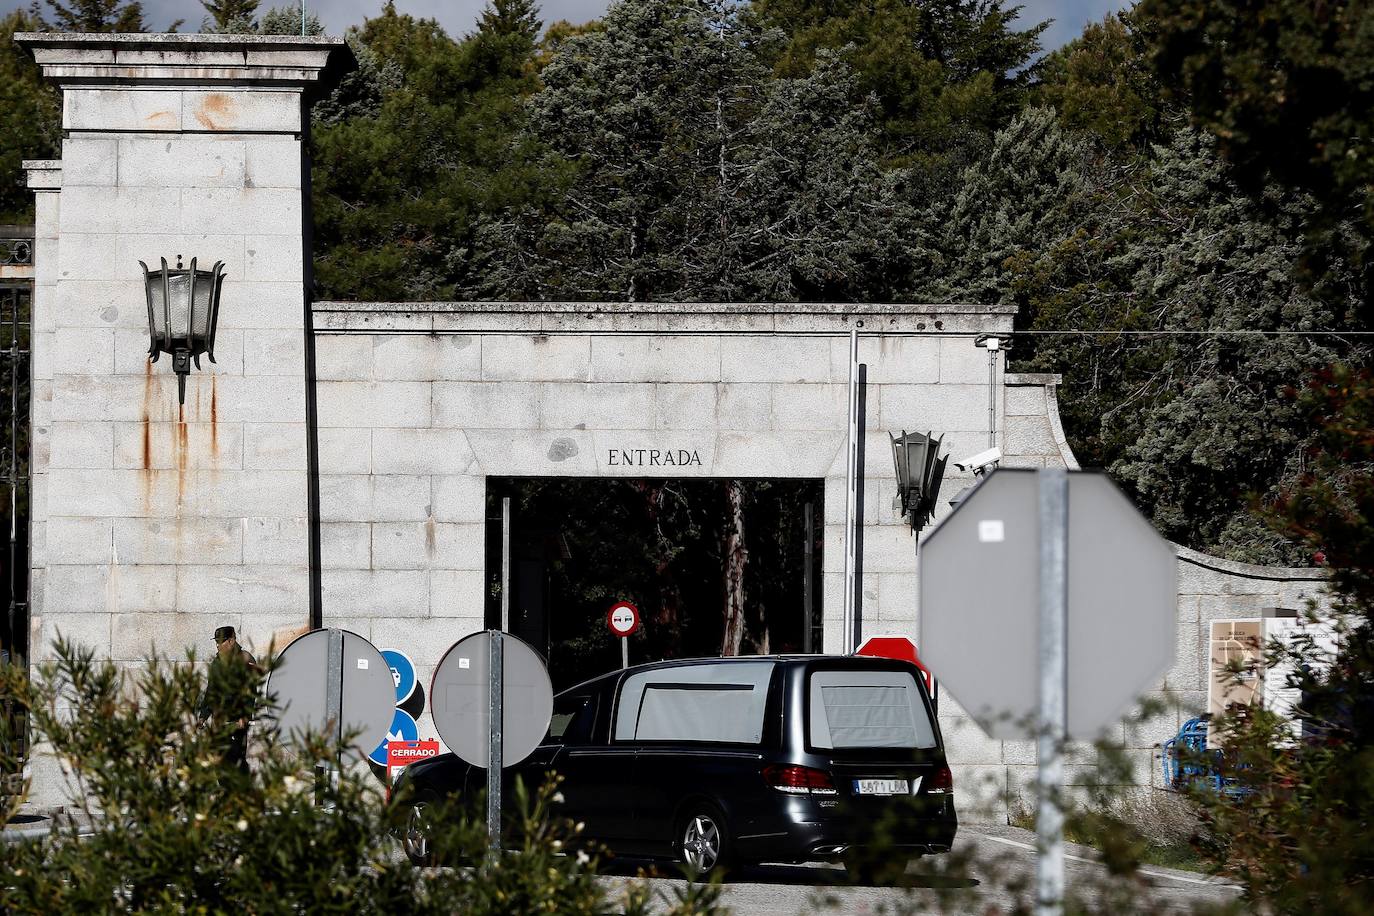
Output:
(177, 828)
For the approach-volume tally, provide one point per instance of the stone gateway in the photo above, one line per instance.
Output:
(331, 468)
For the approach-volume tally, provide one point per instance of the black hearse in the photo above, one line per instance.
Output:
(733, 760)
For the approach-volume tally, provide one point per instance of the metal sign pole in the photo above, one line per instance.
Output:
(495, 691)
(505, 564)
(808, 553)
(850, 497)
(624, 651)
(1054, 601)
(333, 703)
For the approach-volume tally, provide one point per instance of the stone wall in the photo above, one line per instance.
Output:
(419, 403)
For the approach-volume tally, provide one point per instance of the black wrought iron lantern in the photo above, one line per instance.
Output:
(920, 468)
(183, 307)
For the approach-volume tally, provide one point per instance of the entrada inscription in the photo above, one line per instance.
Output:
(652, 457)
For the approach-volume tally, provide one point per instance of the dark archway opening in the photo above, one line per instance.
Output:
(715, 566)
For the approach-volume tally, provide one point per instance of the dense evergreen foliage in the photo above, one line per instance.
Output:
(96, 15)
(230, 15)
(1180, 276)
(1286, 86)
(32, 114)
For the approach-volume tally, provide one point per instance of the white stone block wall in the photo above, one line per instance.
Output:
(418, 405)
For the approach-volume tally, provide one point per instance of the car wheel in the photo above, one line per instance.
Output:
(703, 839)
(415, 837)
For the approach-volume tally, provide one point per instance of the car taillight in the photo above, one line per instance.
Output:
(942, 780)
(797, 780)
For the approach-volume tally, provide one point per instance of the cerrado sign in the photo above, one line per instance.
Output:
(652, 457)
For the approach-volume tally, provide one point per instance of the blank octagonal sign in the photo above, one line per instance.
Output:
(980, 585)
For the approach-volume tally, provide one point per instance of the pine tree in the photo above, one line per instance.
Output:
(286, 20)
(31, 111)
(98, 15)
(693, 174)
(511, 17)
(1103, 82)
(231, 15)
(946, 73)
(411, 150)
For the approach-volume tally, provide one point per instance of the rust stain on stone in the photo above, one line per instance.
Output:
(217, 109)
(182, 447)
(147, 422)
(161, 120)
(214, 420)
(430, 536)
(147, 434)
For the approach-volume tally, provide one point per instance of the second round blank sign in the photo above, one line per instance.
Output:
(461, 704)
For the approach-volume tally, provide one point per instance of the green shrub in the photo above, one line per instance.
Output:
(177, 829)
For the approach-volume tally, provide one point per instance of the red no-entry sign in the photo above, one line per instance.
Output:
(898, 647)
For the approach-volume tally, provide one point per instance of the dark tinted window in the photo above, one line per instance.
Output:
(572, 720)
(710, 702)
(868, 709)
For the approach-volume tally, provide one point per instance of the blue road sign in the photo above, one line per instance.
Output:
(403, 728)
(402, 672)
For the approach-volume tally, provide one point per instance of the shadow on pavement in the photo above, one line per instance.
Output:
(812, 875)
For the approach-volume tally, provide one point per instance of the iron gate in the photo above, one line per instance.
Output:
(16, 304)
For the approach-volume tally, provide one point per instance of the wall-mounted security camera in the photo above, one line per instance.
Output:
(980, 463)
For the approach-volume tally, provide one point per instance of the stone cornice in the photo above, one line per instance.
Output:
(176, 59)
(673, 308)
(871, 318)
(43, 174)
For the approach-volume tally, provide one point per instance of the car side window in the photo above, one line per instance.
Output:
(572, 720)
(722, 703)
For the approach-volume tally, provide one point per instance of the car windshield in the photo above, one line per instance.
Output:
(854, 708)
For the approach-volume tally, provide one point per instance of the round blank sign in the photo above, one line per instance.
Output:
(300, 684)
(460, 702)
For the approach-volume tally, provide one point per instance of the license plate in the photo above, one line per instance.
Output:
(882, 787)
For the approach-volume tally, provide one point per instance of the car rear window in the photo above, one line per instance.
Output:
(868, 709)
(709, 703)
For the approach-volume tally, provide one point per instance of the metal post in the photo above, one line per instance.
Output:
(333, 711)
(1054, 600)
(994, 344)
(333, 686)
(850, 497)
(624, 651)
(302, 18)
(495, 690)
(808, 559)
(505, 564)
